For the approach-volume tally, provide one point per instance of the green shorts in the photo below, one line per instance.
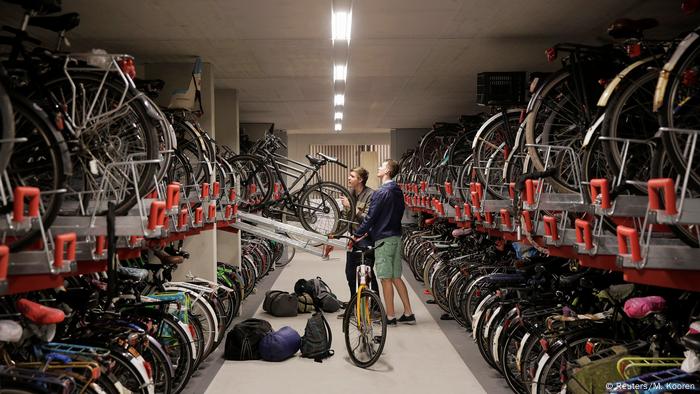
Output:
(387, 258)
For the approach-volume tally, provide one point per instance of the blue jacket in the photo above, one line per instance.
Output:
(383, 220)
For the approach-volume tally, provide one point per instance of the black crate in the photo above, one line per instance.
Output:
(501, 88)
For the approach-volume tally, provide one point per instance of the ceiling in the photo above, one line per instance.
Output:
(411, 62)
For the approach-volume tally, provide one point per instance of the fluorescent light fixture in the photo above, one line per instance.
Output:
(340, 72)
(341, 24)
(339, 99)
(338, 116)
(338, 126)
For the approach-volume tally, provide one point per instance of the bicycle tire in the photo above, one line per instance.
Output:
(145, 142)
(371, 302)
(7, 125)
(42, 161)
(677, 113)
(491, 147)
(251, 170)
(329, 193)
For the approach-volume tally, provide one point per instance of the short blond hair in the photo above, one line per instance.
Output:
(362, 173)
(392, 167)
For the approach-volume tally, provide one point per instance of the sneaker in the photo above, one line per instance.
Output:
(391, 322)
(407, 319)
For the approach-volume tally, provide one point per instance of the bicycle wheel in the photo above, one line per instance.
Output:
(107, 133)
(254, 180)
(191, 144)
(364, 326)
(319, 208)
(558, 119)
(491, 148)
(551, 375)
(681, 109)
(176, 344)
(508, 358)
(160, 368)
(7, 126)
(631, 116)
(42, 161)
(127, 373)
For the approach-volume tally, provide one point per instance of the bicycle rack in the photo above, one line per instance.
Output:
(270, 229)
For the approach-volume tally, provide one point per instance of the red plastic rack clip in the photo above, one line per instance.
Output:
(527, 220)
(182, 218)
(505, 218)
(448, 188)
(550, 227)
(157, 215)
(531, 187)
(600, 187)
(205, 191)
(669, 194)
(20, 193)
(584, 235)
(172, 196)
(211, 214)
(60, 244)
(100, 242)
(215, 189)
(4, 261)
(627, 233)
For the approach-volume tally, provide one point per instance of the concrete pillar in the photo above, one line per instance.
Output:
(202, 247)
(227, 124)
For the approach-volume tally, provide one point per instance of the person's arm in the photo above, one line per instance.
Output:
(372, 214)
(362, 213)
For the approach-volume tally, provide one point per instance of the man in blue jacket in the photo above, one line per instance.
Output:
(383, 223)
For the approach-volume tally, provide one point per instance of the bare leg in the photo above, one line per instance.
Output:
(388, 290)
(403, 294)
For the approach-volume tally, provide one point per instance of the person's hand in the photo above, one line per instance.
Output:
(345, 201)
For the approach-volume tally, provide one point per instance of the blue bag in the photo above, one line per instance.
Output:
(280, 345)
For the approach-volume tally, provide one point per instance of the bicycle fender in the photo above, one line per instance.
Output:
(613, 85)
(668, 67)
(488, 123)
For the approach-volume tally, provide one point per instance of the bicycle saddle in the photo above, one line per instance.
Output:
(631, 28)
(39, 314)
(42, 6)
(167, 259)
(56, 23)
(135, 274)
(639, 307)
(690, 341)
(10, 331)
(314, 160)
(329, 158)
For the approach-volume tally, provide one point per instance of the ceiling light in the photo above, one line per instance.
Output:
(338, 116)
(338, 127)
(341, 24)
(340, 72)
(339, 99)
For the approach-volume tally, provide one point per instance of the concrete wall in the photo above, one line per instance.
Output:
(403, 140)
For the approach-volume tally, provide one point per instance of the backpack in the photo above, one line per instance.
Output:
(317, 339)
(243, 340)
(326, 299)
(305, 303)
(304, 286)
(280, 345)
(280, 303)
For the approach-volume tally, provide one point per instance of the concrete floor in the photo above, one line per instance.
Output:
(431, 356)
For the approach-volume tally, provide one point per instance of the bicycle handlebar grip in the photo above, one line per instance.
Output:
(4, 261)
(341, 164)
(583, 233)
(600, 187)
(623, 234)
(669, 194)
(18, 205)
(60, 244)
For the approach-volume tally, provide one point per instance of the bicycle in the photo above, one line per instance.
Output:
(364, 312)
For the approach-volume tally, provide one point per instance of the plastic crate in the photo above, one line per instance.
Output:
(501, 88)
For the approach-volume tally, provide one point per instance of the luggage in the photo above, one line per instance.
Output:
(317, 339)
(305, 303)
(321, 293)
(280, 303)
(242, 343)
(280, 345)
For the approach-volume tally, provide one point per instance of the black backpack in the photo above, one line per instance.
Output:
(280, 303)
(321, 293)
(317, 339)
(242, 343)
